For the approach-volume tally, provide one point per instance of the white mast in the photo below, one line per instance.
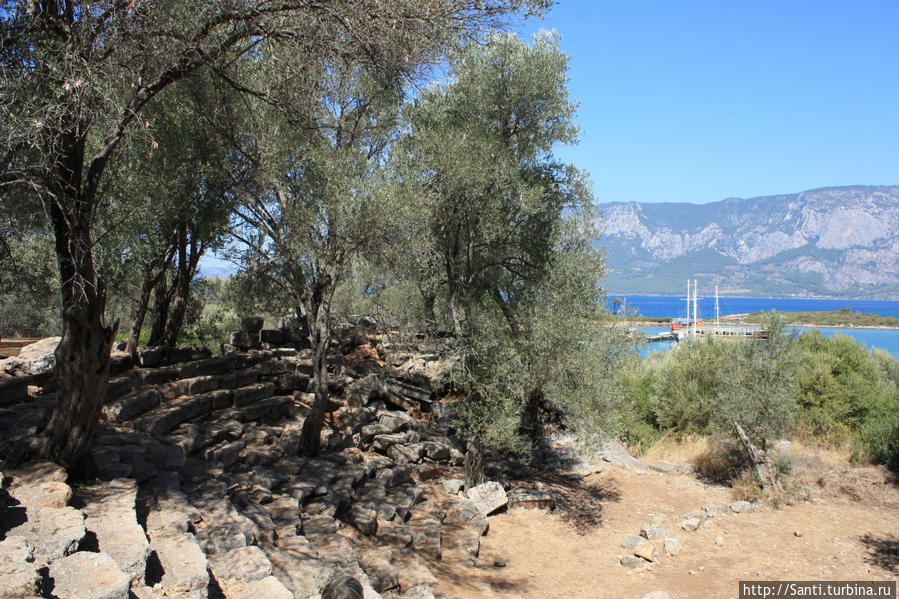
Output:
(688, 301)
(695, 312)
(716, 307)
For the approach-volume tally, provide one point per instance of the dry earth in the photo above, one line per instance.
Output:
(848, 531)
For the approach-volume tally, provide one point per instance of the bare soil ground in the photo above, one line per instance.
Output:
(849, 530)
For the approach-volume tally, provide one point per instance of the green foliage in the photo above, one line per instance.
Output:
(29, 281)
(831, 390)
(705, 385)
(848, 395)
(502, 239)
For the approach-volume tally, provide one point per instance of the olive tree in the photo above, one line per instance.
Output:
(75, 77)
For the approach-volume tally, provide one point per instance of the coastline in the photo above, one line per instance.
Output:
(736, 320)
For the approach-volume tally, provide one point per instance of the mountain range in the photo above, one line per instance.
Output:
(830, 242)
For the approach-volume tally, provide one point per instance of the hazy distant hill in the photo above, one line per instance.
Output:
(837, 241)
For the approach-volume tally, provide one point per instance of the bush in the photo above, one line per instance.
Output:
(848, 395)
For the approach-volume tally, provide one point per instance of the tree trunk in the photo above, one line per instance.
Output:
(151, 280)
(187, 268)
(317, 319)
(475, 471)
(82, 356)
(764, 467)
(138, 323)
(161, 299)
(529, 413)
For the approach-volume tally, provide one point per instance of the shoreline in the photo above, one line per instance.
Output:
(733, 319)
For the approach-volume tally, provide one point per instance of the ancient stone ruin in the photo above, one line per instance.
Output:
(202, 493)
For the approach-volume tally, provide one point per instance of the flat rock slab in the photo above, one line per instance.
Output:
(18, 576)
(488, 497)
(244, 564)
(265, 588)
(109, 514)
(654, 532)
(615, 453)
(53, 532)
(664, 467)
(87, 575)
(44, 494)
(647, 551)
(738, 507)
(531, 499)
(419, 591)
(183, 564)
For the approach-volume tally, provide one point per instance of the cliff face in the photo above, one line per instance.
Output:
(839, 241)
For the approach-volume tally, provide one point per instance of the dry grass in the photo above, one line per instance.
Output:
(677, 450)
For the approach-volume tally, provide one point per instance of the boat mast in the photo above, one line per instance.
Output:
(688, 301)
(695, 312)
(717, 324)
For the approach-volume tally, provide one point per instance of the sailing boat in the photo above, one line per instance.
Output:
(695, 328)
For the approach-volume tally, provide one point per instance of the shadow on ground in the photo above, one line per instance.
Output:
(883, 551)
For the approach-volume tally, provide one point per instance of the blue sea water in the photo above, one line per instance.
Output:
(674, 306)
(885, 339)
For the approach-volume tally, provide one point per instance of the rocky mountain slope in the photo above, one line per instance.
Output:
(830, 242)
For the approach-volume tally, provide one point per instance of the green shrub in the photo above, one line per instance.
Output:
(848, 395)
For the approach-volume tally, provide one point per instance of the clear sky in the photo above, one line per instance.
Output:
(697, 101)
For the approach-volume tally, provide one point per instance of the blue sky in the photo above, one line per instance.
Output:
(697, 101)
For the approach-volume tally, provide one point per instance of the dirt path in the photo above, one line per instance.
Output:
(564, 555)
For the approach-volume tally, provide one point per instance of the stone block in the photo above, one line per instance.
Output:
(53, 532)
(18, 576)
(132, 405)
(87, 575)
(647, 550)
(488, 497)
(183, 564)
(654, 532)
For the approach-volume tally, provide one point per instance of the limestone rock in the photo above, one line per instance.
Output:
(488, 497)
(426, 536)
(53, 532)
(664, 467)
(631, 562)
(237, 570)
(37, 358)
(50, 493)
(531, 499)
(686, 468)
(615, 453)
(654, 532)
(18, 576)
(393, 533)
(453, 485)
(267, 588)
(647, 551)
(738, 507)
(672, 546)
(382, 574)
(87, 575)
(184, 565)
(467, 514)
(109, 514)
(631, 541)
(713, 510)
(419, 591)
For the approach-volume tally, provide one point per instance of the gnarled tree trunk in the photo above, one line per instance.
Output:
(475, 468)
(82, 356)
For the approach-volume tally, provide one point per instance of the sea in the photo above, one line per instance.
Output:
(676, 307)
